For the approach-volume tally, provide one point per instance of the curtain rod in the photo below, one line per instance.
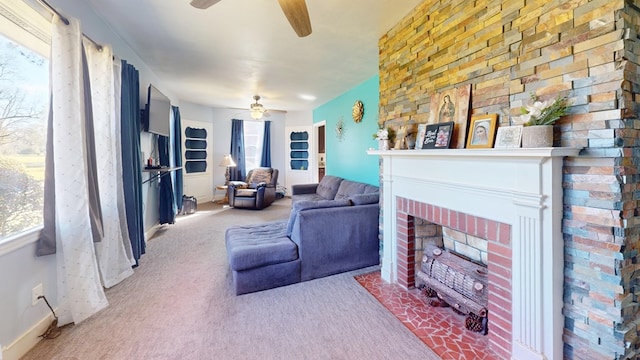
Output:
(66, 21)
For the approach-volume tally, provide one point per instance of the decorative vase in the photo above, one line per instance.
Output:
(383, 144)
(537, 136)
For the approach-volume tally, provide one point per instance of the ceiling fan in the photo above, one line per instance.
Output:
(257, 110)
(295, 11)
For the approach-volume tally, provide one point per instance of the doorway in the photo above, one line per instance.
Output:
(320, 150)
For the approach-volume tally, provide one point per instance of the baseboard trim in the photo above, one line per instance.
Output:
(149, 233)
(27, 341)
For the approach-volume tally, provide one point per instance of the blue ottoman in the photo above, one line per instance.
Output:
(261, 256)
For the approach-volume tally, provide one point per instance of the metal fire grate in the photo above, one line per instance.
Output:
(458, 283)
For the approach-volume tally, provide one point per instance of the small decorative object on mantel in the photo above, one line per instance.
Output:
(422, 128)
(401, 138)
(357, 111)
(382, 135)
(538, 120)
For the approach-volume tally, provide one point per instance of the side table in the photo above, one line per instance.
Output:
(223, 188)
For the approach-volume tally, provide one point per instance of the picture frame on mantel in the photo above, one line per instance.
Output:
(452, 105)
(508, 137)
(482, 131)
(438, 136)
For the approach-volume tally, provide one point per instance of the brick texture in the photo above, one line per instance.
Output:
(499, 261)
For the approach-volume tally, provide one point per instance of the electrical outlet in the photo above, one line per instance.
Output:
(38, 290)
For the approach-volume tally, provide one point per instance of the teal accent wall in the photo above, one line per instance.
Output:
(347, 158)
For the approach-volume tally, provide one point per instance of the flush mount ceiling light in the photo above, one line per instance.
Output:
(257, 110)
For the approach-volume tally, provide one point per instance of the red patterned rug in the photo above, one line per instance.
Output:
(439, 328)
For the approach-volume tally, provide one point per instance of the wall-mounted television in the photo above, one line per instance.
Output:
(157, 113)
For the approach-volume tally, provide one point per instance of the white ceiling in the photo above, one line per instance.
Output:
(224, 55)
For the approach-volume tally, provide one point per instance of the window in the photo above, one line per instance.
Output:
(24, 93)
(253, 133)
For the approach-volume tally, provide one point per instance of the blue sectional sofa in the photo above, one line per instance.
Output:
(332, 228)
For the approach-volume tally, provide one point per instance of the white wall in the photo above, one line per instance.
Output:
(299, 118)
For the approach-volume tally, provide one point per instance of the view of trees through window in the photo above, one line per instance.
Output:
(24, 89)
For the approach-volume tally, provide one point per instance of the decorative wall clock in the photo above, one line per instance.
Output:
(357, 111)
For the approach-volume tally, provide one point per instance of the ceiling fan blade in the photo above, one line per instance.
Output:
(203, 4)
(298, 16)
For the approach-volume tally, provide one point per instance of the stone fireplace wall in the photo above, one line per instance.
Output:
(587, 51)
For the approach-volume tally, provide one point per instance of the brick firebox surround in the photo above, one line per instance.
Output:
(586, 50)
(499, 264)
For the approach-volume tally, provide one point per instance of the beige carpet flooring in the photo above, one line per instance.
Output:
(179, 305)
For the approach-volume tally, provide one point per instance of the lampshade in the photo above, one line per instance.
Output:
(227, 161)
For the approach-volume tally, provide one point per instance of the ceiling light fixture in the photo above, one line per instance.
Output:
(257, 110)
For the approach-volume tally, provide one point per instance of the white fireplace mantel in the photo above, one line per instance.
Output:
(520, 187)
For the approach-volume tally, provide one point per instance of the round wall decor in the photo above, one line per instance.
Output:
(357, 111)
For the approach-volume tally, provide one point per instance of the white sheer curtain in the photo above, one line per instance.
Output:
(113, 259)
(80, 292)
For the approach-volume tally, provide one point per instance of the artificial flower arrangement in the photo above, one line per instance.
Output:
(543, 112)
(381, 134)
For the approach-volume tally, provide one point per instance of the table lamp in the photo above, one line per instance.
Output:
(227, 162)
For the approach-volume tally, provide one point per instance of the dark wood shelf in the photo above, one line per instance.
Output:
(159, 172)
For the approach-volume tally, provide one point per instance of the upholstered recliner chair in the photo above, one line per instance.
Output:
(256, 192)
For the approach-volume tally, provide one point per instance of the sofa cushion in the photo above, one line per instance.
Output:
(310, 204)
(328, 187)
(348, 188)
(306, 197)
(251, 246)
(364, 199)
(246, 192)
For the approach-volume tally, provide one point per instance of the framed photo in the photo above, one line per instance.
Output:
(420, 135)
(482, 131)
(438, 136)
(509, 136)
(452, 105)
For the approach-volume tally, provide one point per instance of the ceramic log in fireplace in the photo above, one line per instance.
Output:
(458, 282)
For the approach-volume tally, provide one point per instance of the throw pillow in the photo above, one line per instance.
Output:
(311, 204)
(260, 175)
